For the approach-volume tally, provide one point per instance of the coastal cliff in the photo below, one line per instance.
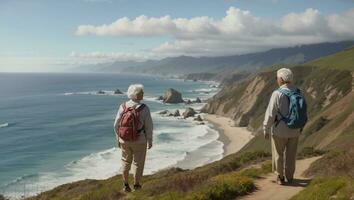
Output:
(329, 93)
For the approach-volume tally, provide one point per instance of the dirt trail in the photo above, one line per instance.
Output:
(268, 189)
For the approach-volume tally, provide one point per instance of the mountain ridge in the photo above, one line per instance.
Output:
(183, 65)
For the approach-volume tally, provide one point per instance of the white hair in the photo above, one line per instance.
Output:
(134, 90)
(285, 74)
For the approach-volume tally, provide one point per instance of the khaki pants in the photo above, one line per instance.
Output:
(136, 153)
(284, 147)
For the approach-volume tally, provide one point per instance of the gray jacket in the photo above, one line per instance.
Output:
(145, 119)
(278, 103)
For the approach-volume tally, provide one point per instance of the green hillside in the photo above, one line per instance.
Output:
(341, 60)
(225, 179)
(328, 86)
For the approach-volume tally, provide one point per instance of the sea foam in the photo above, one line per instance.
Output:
(4, 125)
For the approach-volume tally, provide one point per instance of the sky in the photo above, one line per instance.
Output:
(51, 35)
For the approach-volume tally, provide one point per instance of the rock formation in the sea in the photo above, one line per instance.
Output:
(188, 101)
(117, 91)
(176, 113)
(172, 96)
(197, 100)
(164, 112)
(160, 98)
(189, 112)
(198, 118)
(101, 92)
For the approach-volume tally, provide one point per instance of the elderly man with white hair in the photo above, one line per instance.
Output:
(284, 119)
(134, 128)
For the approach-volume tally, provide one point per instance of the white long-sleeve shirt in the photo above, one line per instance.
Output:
(145, 119)
(279, 103)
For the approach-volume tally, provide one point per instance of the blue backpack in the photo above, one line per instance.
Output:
(297, 115)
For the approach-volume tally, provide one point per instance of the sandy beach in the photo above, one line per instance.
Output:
(234, 138)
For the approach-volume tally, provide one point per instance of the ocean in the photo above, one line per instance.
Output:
(56, 129)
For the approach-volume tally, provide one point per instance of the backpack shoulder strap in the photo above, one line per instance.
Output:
(141, 107)
(285, 92)
(125, 107)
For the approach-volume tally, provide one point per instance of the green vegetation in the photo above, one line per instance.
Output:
(327, 188)
(308, 152)
(343, 60)
(224, 179)
(334, 163)
(335, 177)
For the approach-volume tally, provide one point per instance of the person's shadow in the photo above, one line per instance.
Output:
(298, 183)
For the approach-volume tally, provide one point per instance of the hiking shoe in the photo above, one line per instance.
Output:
(290, 180)
(280, 180)
(127, 188)
(137, 187)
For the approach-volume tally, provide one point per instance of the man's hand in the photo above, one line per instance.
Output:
(266, 136)
(149, 145)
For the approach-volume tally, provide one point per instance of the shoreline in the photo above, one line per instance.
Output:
(234, 138)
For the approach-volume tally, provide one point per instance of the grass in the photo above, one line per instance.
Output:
(223, 186)
(308, 152)
(343, 60)
(229, 177)
(333, 163)
(334, 174)
(328, 188)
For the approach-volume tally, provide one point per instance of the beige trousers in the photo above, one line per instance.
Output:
(284, 147)
(136, 153)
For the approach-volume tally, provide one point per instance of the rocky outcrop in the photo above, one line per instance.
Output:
(117, 91)
(238, 101)
(188, 101)
(197, 100)
(198, 118)
(176, 113)
(101, 92)
(164, 112)
(172, 96)
(160, 98)
(189, 112)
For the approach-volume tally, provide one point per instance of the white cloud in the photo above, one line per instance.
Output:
(308, 22)
(239, 31)
(343, 24)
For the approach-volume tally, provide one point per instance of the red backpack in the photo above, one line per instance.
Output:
(129, 123)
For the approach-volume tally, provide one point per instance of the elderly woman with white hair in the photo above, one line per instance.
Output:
(134, 128)
(284, 119)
